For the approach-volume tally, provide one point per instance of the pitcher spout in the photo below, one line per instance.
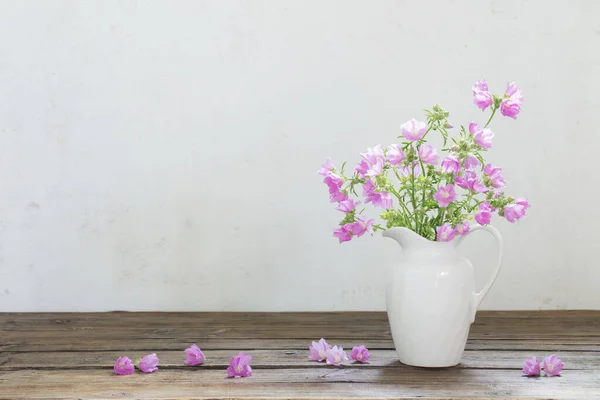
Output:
(405, 237)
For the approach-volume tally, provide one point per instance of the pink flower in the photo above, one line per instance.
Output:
(318, 350)
(337, 197)
(375, 160)
(509, 108)
(513, 91)
(474, 128)
(472, 162)
(428, 154)
(553, 366)
(123, 366)
(480, 86)
(336, 355)
(239, 366)
(522, 202)
(495, 175)
(326, 168)
(462, 228)
(450, 165)
(362, 168)
(531, 367)
(360, 354)
(445, 233)
(484, 216)
(373, 155)
(361, 226)
(413, 129)
(469, 181)
(379, 199)
(375, 169)
(334, 182)
(445, 195)
(484, 138)
(395, 155)
(343, 233)
(482, 98)
(511, 105)
(513, 212)
(347, 205)
(149, 363)
(193, 355)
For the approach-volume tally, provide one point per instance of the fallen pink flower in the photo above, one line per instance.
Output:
(336, 355)
(149, 363)
(531, 367)
(193, 355)
(360, 354)
(318, 350)
(239, 366)
(553, 366)
(123, 366)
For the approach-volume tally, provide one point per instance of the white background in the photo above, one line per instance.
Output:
(162, 155)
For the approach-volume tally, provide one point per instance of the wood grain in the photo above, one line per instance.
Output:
(219, 359)
(300, 383)
(70, 355)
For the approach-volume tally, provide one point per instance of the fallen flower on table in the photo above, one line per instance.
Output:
(149, 363)
(531, 367)
(360, 354)
(239, 366)
(553, 366)
(193, 355)
(336, 355)
(124, 366)
(318, 350)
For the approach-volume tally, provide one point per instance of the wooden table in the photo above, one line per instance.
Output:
(71, 356)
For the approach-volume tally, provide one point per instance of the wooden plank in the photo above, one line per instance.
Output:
(219, 359)
(52, 321)
(152, 345)
(308, 326)
(503, 330)
(300, 383)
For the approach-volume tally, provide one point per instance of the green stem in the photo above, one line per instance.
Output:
(400, 201)
(414, 202)
(491, 116)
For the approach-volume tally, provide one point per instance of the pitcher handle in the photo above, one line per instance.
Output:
(477, 297)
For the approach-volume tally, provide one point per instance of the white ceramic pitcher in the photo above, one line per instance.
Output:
(432, 299)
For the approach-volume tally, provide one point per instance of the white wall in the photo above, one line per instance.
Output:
(162, 155)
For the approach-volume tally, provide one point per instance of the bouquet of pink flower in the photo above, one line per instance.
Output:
(432, 198)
